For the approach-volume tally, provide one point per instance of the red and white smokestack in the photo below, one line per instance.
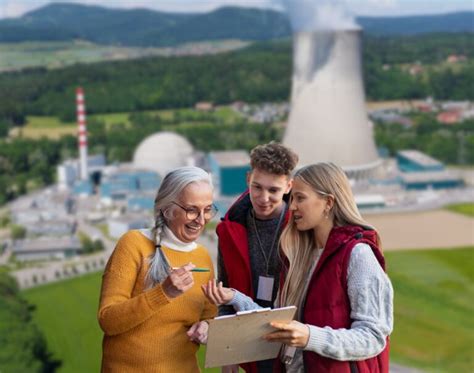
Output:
(82, 132)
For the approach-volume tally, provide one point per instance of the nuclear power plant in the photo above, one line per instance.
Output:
(328, 119)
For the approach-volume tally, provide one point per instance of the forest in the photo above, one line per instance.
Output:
(262, 72)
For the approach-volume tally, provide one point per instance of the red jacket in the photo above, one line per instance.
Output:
(233, 247)
(327, 302)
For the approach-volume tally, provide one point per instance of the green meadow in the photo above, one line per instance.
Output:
(462, 208)
(57, 54)
(434, 327)
(66, 313)
(51, 127)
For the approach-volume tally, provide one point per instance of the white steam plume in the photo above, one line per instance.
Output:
(319, 15)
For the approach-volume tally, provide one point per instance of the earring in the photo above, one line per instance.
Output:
(326, 215)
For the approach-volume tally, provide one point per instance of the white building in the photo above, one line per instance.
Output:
(163, 152)
(46, 248)
(118, 226)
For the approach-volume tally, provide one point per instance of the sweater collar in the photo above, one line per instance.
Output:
(169, 240)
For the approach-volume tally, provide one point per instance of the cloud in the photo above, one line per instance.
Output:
(11, 9)
(383, 3)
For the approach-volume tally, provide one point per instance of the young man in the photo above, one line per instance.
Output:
(248, 257)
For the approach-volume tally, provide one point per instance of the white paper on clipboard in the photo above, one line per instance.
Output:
(238, 339)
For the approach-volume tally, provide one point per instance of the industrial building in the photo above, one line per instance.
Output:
(229, 171)
(163, 152)
(69, 174)
(127, 183)
(46, 248)
(431, 180)
(420, 171)
(51, 228)
(118, 226)
(416, 161)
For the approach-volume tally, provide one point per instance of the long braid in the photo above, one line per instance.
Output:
(159, 268)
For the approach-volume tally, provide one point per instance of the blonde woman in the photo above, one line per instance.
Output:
(334, 273)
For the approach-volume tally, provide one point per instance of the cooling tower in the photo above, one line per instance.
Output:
(328, 120)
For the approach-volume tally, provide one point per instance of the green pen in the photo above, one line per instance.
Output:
(195, 269)
(200, 270)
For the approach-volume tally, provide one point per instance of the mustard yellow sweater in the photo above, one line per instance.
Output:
(144, 330)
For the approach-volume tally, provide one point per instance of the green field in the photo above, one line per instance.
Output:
(434, 324)
(463, 208)
(51, 127)
(66, 313)
(56, 54)
(434, 327)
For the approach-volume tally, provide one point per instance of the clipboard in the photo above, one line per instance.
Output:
(235, 339)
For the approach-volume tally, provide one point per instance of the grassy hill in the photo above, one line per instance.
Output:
(433, 313)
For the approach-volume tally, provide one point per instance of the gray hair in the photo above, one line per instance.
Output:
(170, 189)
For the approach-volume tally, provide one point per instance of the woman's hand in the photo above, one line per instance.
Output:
(198, 332)
(216, 293)
(179, 281)
(293, 334)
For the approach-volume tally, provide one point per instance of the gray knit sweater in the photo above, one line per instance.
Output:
(371, 297)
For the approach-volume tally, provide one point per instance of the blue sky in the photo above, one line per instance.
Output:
(15, 8)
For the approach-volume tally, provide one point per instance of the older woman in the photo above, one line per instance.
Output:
(334, 274)
(151, 303)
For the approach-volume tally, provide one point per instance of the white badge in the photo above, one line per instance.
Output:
(265, 288)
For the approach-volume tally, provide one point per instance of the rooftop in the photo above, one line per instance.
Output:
(419, 157)
(231, 158)
(420, 177)
(49, 244)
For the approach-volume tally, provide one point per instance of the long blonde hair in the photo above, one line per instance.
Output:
(298, 246)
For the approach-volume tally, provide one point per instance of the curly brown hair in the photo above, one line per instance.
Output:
(273, 158)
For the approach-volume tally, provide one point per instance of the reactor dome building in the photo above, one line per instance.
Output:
(328, 119)
(162, 152)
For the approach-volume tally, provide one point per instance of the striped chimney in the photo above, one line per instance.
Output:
(82, 132)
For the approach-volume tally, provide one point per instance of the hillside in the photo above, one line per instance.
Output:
(144, 27)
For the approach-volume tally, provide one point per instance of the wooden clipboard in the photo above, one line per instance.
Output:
(235, 339)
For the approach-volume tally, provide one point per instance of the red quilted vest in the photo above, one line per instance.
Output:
(327, 302)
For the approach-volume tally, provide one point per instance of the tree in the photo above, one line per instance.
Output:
(24, 347)
(91, 246)
(17, 232)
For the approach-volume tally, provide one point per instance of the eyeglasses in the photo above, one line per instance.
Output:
(193, 213)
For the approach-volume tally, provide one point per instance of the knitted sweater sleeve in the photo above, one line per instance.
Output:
(119, 312)
(241, 302)
(371, 297)
(210, 309)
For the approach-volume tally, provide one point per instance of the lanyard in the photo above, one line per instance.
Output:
(267, 260)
